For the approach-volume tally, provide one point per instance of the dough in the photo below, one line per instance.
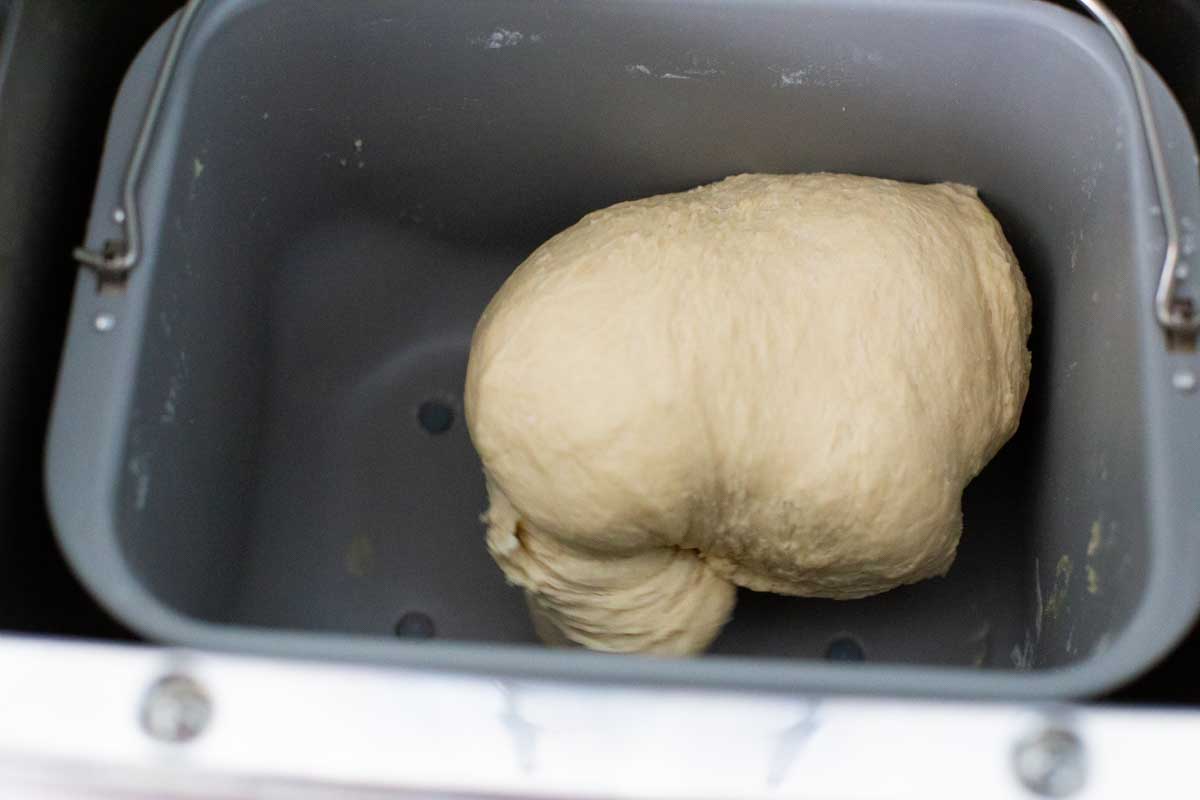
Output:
(779, 382)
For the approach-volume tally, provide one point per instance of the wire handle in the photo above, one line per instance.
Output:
(118, 258)
(1174, 312)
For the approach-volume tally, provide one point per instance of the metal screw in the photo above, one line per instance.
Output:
(1182, 271)
(176, 709)
(104, 322)
(118, 215)
(1184, 380)
(1051, 763)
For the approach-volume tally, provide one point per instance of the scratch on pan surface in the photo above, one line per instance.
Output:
(257, 207)
(359, 556)
(816, 75)
(673, 74)
(139, 468)
(794, 77)
(1022, 657)
(1088, 185)
(983, 638)
(860, 56)
(503, 37)
(1037, 583)
(1096, 538)
(170, 405)
(1062, 585)
(1095, 543)
(387, 21)
(178, 380)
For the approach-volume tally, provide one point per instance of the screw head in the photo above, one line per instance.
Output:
(118, 215)
(1184, 380)
(176, 709)
(1051, 763)
(104, 322)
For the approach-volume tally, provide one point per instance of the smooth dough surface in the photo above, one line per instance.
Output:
(779, 382)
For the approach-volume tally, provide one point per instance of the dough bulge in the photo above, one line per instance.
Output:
(778, 382)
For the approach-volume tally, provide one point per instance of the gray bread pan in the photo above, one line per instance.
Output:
(258, 444)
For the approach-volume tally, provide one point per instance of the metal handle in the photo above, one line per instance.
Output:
(1174, 312)
(118, 258)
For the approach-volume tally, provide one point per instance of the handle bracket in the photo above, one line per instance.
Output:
(118, 257)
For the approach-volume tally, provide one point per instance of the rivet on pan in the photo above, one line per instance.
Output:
(1184, 380)
(1182, 271)
(118, 215)
(176, 709)
(435, 416)
(415, 625)
(845, 648)
(1051, 762)
(104, 322)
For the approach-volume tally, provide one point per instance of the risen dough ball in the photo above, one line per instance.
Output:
(776, 382)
